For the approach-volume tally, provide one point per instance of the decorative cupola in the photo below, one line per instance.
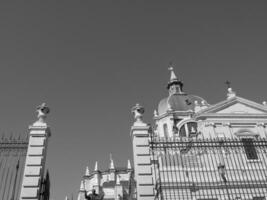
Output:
(175, 86)
(87, 172)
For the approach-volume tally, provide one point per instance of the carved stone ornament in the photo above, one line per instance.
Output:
(42, 111)
(210, 124)
(261, 124)
(227, 124)
(230, 93)
(138, 111)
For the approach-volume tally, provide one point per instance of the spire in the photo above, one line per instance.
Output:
(96, 166)
(174, 85)
(111, 163)
(129, 165)
(87, 172)
(173, 76)
(82, 188)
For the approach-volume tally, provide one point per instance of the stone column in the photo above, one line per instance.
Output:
(209, 130)
(39, 133)
(227, 132)
(141, 155)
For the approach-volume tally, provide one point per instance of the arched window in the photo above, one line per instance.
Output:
(188, 129)
(165, 129)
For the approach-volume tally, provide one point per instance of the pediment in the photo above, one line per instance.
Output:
(236, 106)
(239, 108)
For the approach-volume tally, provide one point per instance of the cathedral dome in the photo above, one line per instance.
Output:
(178, 102)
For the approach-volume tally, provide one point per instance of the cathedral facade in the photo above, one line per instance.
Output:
(195, 150)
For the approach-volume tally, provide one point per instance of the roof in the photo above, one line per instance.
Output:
(178, 102)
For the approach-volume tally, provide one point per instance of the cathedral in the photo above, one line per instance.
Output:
(193, 150)
(22, 162)
(200, 151)
(114, 183)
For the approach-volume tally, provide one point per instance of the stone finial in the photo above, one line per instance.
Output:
(66, 198)
(42, 111)
(155, 113)
(87, 171)
(82, 186)
(230, 93)
(129, 165)
(111, 166)
(138, 111)
(96, 166)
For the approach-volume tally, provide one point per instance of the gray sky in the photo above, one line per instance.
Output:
(91, 61)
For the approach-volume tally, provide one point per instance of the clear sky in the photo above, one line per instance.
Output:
(91, 61)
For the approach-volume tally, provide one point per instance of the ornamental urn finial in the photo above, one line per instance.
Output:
(42, 111)
(230, 92)
(138, 111)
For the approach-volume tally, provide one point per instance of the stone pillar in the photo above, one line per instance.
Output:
(118, 190)
(39, 133)
(209, 130)
(227, 132)
(141, 155)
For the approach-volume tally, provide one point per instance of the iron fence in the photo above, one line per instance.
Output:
(198, 169)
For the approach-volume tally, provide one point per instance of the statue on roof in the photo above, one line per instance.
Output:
(93, 195)
(42, 111)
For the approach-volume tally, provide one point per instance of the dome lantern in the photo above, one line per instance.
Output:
(175, 85)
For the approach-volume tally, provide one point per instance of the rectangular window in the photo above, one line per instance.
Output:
(208, 199)
(250, 149)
